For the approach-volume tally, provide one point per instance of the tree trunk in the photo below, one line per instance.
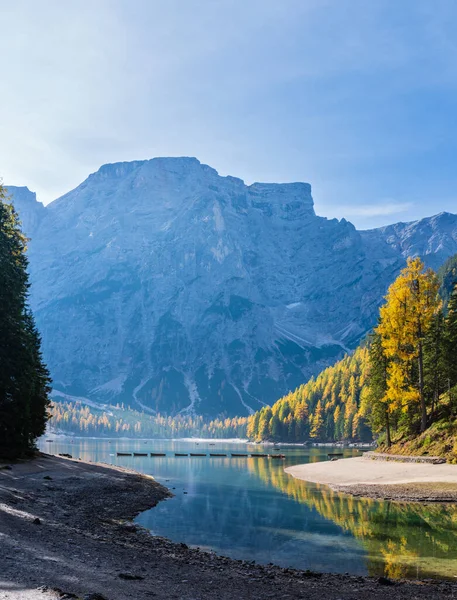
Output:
(421, 388)
(389, 441)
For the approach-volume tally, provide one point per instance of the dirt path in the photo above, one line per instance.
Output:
(84, 545)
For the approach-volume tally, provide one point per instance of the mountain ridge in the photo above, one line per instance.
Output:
(163, 285)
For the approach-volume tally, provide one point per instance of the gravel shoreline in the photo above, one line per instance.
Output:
(383, 479)
(403, 492)
(66, 532)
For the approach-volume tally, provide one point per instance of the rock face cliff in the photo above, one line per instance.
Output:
(165, 286)
(30, 210)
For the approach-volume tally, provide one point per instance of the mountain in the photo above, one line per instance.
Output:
(30, 210)
(433, 238)
(165, 286)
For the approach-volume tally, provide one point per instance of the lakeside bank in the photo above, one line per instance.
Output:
(391, 479)
(66, 526)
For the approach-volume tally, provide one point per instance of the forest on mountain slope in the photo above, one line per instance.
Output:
(400, 384)
(326, 408)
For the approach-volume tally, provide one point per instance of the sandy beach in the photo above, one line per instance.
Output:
(403, 481)
(66, 532)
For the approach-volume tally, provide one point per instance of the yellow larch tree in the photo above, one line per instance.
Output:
(411, 303)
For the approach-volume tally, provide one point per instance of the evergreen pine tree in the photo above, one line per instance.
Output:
(451, 340)
(24, 379)
(435, 362)
(377, 404)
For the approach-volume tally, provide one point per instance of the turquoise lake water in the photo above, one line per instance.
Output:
(248, 508)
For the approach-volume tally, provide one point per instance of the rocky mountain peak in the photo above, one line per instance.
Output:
(433, 238)
(163, 285)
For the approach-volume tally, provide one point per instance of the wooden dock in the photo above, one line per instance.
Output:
(210, 454)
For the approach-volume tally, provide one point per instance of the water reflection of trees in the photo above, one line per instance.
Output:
(401, 540)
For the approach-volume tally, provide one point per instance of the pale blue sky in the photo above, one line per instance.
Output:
(357, 97)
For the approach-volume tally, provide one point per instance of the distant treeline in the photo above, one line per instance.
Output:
(79, 419)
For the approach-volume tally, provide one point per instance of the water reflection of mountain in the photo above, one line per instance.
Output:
(401, 540)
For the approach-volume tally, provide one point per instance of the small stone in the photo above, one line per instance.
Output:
(385, 581)
(60, 593)
(309, 573)
(130, 576)
(48, 477)
(37, 521)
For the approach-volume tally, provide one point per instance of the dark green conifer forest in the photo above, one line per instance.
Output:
(24, 378)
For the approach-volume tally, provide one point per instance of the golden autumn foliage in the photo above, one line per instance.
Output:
(327, 408)
(405, 320)
(396, 383)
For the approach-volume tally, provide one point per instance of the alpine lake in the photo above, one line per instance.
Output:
(249, 508)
